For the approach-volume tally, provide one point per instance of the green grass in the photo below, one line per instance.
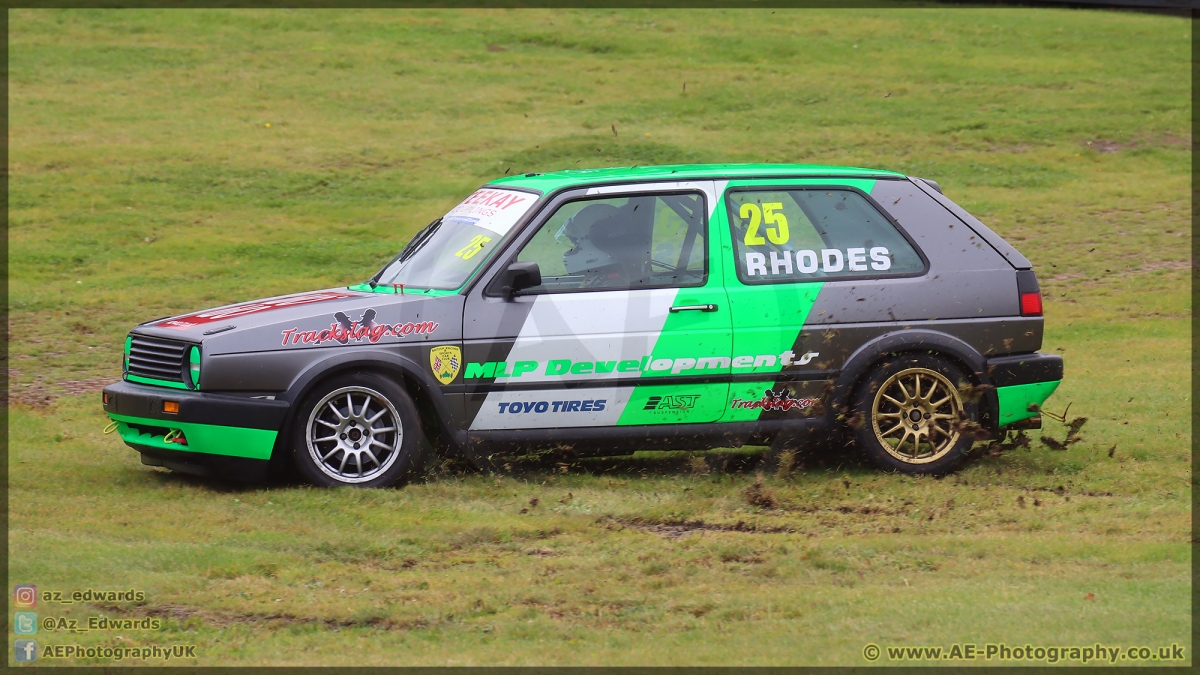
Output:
(168, 161)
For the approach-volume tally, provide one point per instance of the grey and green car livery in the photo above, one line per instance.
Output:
(607, 311)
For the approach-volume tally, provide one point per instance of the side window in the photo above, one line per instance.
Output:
(621, 243)
(802, 234)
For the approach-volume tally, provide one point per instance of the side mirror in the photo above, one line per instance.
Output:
(518, 277)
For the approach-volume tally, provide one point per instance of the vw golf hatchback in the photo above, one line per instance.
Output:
(613, 310)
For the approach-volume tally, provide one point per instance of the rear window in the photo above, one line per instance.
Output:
(807, 234)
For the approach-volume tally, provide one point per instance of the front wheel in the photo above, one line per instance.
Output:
(358, 429)
(912, 417)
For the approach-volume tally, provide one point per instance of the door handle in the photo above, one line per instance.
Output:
(695, 308)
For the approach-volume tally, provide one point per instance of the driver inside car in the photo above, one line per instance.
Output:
(610, 245)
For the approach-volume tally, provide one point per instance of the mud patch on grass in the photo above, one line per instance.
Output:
(1105, 146)
(43, 394)
(674, 529)
(1108, 145)
(1093, 278)
(183, 614)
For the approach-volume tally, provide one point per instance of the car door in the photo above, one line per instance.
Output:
(630, 325)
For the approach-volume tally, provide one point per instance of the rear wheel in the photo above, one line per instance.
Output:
(911, 416)
(358, 429)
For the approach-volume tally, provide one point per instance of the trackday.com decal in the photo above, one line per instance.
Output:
(344, 330)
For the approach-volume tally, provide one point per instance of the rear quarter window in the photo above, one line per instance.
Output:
(815, 234)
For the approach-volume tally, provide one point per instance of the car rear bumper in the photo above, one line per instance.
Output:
(1023, 383)
(206, 424)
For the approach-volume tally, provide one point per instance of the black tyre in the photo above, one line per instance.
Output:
(358, 429)
(911, 416)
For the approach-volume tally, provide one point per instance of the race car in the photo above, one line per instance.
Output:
(613, 310)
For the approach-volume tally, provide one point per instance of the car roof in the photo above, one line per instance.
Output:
(548, 182)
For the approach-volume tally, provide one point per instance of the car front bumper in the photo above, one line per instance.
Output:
(206, 424)
(1023, 383)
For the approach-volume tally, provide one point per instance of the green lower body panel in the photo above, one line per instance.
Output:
(1023, 401)
(210, 439)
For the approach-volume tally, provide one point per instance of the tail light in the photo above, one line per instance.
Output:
(1030, 294)
(1031, 304)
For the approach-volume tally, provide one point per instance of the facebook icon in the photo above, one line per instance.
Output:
(25, 650)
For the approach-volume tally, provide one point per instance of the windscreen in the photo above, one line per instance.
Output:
(449, 250)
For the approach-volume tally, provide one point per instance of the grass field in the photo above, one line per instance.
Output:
(165, 161)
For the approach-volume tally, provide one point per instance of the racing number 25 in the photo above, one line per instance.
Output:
(474, 246)
(778, 234)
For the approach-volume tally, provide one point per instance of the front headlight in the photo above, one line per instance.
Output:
(194, 366)
(125, 358)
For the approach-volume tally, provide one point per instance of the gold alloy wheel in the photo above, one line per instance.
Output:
(914, 415)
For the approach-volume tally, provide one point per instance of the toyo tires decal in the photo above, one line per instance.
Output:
(591, 407)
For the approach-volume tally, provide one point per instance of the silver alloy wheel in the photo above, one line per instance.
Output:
(354, 434)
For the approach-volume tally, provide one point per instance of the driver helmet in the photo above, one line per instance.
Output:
(584, 256)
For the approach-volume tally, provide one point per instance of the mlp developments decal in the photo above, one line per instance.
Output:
(775, 400)
(344, 330)
(559, 367)
(445, 362)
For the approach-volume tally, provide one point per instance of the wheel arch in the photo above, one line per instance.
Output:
(870, 354)
(431, 405)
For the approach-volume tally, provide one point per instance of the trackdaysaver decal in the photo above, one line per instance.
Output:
(775, 400)
(244, 308)
(344, 330)
(561, 367)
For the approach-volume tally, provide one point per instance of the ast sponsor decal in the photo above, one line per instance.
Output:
(775, 400)
(345, 330)
(445, 362)
(242, 309)
(522, 407)
(564, 367)
(672, 402)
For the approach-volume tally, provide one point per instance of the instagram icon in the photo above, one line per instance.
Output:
(25, 595)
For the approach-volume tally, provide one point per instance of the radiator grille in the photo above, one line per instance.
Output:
(157, 359)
